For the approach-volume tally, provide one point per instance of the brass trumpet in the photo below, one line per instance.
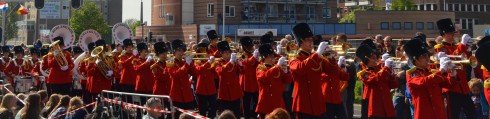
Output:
(60, 58)
(104, 66)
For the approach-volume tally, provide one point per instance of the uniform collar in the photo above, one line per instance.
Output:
(304, 52)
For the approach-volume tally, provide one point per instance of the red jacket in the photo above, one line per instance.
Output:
(3, 63)
(331, 84)
(16, 69)
(181, 86)
(229, 86)
(461, 86)
(425, 88)
(56, 75)
(128, 74)
(205, 74)
(248, 80)
(36, 70)
(82, 68)
(272, 82)
(162, 79)
(98, 81)
(144, 76)
(380, 82)
(213, 51)
(117, 67)
(307, 93)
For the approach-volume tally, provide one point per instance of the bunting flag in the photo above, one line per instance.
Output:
(4, 6)
(21, 10)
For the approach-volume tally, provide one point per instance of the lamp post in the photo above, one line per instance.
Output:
(223, 15)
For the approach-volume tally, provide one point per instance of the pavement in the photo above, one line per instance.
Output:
(357, 111)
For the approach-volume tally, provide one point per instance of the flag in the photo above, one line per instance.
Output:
(4, 6)
(21, 10)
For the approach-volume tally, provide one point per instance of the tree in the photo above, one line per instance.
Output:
(11, 27)
(402, 5)
(133, 23)
(351, 17)
(89, 16)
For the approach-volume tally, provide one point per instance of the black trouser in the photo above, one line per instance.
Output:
(300, 115)
(207, 105)
(374, 117)
(249, 104)
(185, 106)
(233, 106)
(115, 85)
(402, 109)
(456, 102)
(364, 108)
(335, 111)
(128, 89)
(62, 89)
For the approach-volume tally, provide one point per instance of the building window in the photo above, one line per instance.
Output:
(430, 25)
(327, 12)
(162, 10)
(487, 8)
(475, 8)
(419, 25)
(450, 7)
(463, 7)
(463, 24)
(210, 9)
(311, 12)
(397, 25)
(421, 7)
(435, 6)
(482, 8)
(385, 26)
(408, 26)
(429, 7)
(273, 10)
(470, 24)
(230, 11)
(456, 7)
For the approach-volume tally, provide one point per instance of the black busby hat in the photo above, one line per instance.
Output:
(266, 49)
(482, 55)
(141, 47)
(178, 44)
(18, 49)
(484, 40)
(246, 41)
(414, 48)
(301, 31)
(445, 26)
(370, 43)
(223, 46)
(77, 50)
(91, 46)
(266, 38)
(44, 51)
(202, 45)
(127, 42)
(318, 40)
(212, 34)
(160, 47)
(34, 51)
(5, 49)
(61, 39)
(363, 52)
(100, 42)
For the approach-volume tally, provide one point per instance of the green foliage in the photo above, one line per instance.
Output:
(351, 17)
(89, 16)
(11, 27)
(133, 23)
(358, 92)
(377, 5)
(402, 5)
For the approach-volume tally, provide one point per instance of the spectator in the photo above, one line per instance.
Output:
(478, 98)
(439, 40)
(50, 105)
(61, 107)
(388, 46)
(340, 39)
(31, 109)
(284, 42)
(156, 104)
(378, 39)
(9, 87)
(289, 37)
(21, 96)
(227, 114)
(278, 113)
(185, 116)
(7, 106)
(44, 96)
(76, 103)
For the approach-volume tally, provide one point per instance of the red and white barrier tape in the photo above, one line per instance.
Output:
(14, 94)
(194, 114)
(93, 103)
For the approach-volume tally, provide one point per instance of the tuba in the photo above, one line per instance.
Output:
(87, 37)
(68, 37)
(104, 66)
(121, 31)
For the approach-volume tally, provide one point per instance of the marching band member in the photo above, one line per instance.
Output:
(4, 59)
(272, 80)
(35, 70)
(457, 95)
(117, 67)
(100, 79)
(83, 70)
(426, 86)
(248, 79)
(59, 77)
(480, 44)
(205, 86)
(180, 91)
(332, 88)
(15, 67)
(142, 68)
(128, 74)
(161, 76)
(379, 82)
(483, 58)
(213, 39)
(77, 87)
(228, 70)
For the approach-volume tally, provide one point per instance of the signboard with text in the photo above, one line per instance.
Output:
(55, 10)
(255, 32)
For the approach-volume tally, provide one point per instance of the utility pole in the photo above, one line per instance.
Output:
(142, 23)
(223, 15)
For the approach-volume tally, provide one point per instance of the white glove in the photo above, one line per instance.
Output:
(322, 47)
(282, 61)
(342, 61)
(256, 54)
(443, 60)
(385, 56)
(109, 73)
(64, 68)
(211, 59)
(98, 61)
(445, 65)
(149, 59)
(233, 58)
(389, 63)
(465, 38)
(440, 55)
(188, 60)
(279, 49)
(135, 52)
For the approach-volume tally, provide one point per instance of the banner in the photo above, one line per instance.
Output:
(255, 32)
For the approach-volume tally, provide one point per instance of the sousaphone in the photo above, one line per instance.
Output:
(64, 31)
(121, 31)
(87, 37)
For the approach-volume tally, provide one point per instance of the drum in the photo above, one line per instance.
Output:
(22, 84)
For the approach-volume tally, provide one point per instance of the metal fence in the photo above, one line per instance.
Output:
(123, 105)
(283, 29)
